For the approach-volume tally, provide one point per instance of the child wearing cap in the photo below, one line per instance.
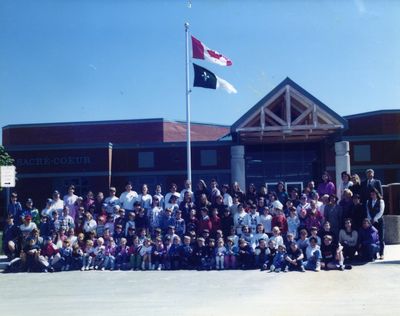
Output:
(27, 226)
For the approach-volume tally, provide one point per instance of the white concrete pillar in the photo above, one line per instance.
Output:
(342, 161)
(238, 171)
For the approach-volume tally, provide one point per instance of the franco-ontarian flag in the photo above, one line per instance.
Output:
(206, 79)
(201, 51)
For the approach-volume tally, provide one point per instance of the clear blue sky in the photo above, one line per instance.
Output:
(77, 60)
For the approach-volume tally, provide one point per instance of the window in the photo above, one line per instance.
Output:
(362, 152)
(146, 159)
(208, 157)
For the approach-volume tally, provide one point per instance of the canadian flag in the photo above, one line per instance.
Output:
(201, 51)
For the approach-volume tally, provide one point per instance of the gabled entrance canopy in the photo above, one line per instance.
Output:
(287, 113)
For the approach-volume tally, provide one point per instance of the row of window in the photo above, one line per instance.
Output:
(208, 158)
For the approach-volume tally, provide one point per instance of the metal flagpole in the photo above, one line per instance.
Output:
(188, 147)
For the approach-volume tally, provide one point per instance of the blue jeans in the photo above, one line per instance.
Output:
(311, 263)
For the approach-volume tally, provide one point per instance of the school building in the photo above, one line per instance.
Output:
(288, 135)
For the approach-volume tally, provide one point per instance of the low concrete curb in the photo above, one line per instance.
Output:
(392, 229)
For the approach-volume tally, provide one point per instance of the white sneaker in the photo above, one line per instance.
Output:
(272, 268)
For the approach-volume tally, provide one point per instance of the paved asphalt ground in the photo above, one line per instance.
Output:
(372, 289)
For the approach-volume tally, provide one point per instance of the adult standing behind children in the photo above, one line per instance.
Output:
(369, 184)
(326, 186)
(70, 198)
(128, 198)
(375, 209)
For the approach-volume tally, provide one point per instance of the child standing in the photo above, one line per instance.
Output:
(66, 255)
(266, 221)
(174, 253)
(230, 254)
(109, 262)
(145, 253)
(157, 255)
(185, 254)
(293, 222)
(220, 252)
(180, 225)
(134, 252)
(122, 255)
(99, 255)
(88, 255)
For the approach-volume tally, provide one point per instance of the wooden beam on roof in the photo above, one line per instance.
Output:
(301, 98)
(287, 102)
(314, 116)
(274, 116)
(302, 116)
(271, 100)
(296, 127)
(262, 118)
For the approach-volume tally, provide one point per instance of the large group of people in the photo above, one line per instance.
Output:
(208, 227)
